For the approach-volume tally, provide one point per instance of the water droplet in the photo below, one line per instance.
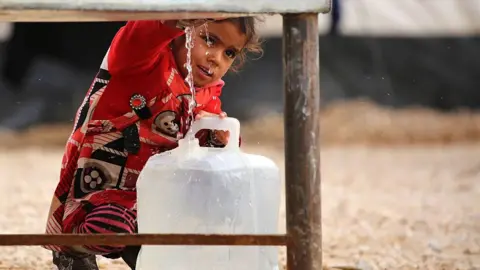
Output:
(209, 42)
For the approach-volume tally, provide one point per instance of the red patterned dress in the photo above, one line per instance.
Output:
(136, 107)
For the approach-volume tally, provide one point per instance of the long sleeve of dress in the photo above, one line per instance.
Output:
(137, 45)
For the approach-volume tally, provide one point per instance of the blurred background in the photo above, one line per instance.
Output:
(400, 127)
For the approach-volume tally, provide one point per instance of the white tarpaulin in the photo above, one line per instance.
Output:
(400, 18)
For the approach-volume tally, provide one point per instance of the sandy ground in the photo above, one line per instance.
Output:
(388, 203)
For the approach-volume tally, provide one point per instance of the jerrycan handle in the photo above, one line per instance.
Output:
(213, 122)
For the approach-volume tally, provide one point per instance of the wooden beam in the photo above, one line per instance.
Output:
(122, 10)
(140, 239)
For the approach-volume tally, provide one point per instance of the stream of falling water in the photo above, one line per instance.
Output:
(189, 33)
(189, 43)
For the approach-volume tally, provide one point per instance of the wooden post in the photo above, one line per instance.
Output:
(302, 149)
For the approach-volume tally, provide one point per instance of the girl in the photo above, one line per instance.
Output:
(138, 105)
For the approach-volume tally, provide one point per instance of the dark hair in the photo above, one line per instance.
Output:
(248, 26)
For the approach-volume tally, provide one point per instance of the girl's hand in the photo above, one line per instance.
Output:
(221, 136)
(207, 114)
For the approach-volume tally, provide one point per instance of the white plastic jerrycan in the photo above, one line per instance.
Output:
(201, 190)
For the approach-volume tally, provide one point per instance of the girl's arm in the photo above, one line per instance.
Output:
(137, 45)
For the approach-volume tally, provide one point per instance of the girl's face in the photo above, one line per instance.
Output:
(213, 52)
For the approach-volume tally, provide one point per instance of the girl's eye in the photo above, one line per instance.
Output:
(230, 53)
(209, 41)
